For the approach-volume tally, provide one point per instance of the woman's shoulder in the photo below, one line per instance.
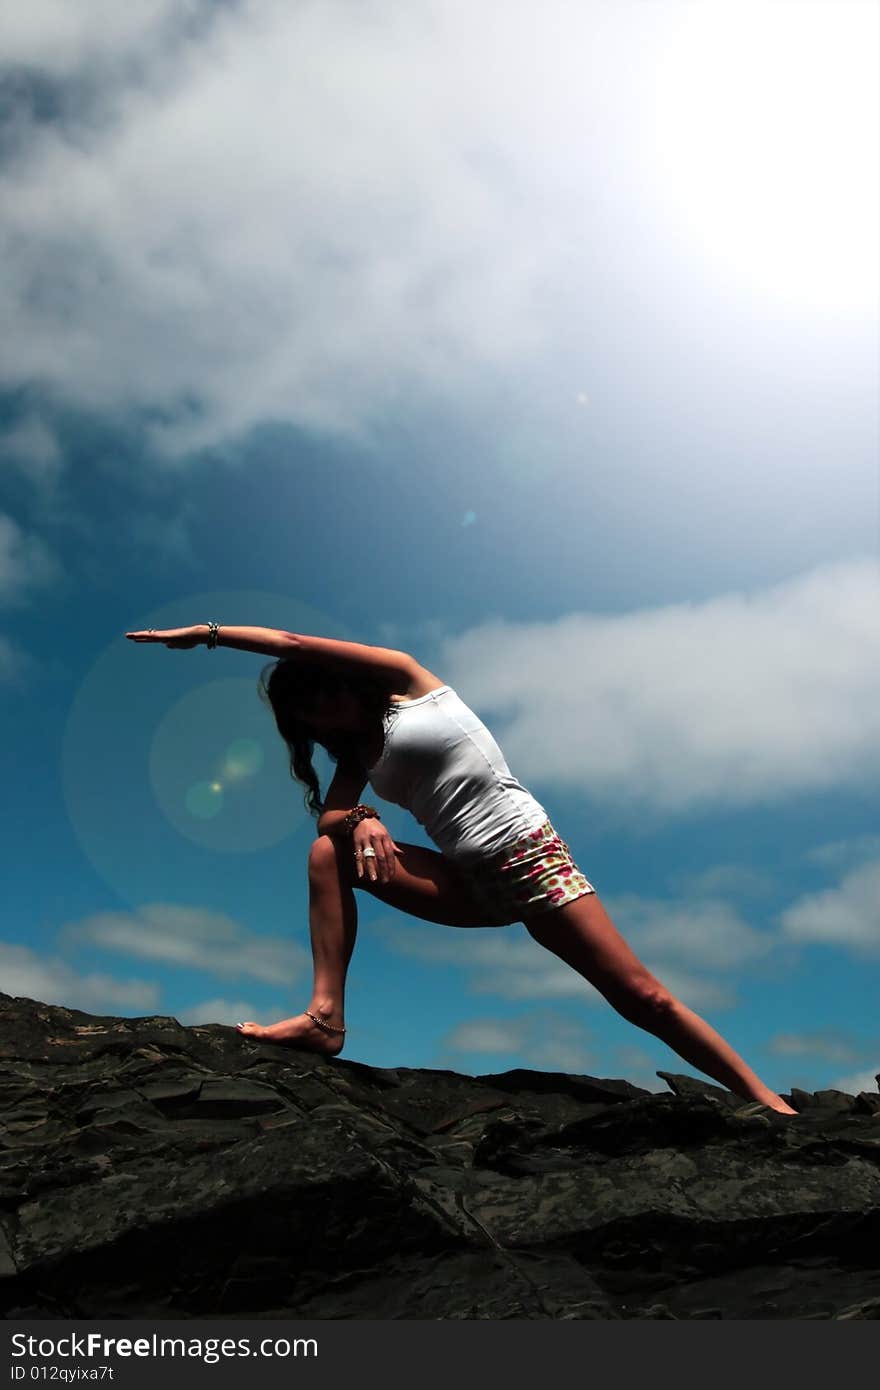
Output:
(421, 682)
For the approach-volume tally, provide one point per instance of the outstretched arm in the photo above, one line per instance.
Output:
(267, 640)
(327, 651)
(318, 651)
(270, 641)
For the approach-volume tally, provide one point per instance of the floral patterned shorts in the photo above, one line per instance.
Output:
(533, 874)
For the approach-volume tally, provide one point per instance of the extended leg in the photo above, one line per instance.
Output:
(582, 934)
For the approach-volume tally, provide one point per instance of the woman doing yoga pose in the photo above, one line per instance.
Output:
(386, 720)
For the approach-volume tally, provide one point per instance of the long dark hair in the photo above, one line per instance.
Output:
(283, 681)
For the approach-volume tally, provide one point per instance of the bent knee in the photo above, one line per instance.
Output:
(329, 859)
(322, 857)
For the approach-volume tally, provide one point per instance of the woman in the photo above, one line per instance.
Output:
(386, 720)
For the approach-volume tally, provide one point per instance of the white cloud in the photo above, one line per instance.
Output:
(856, 1081)
(357, 238)
(545, 1041)
(738, 700)
(52, 981)
(723, 880)
(824, 1045)
(845, 854)
(847, 916)
(496, 961)
(314, 212)
(57, 37)
(708, 934)
(334, 214)
(32, 449)
(169, 536)
(14, 664)
(229, 1011)
(550, 1042)
(25, 562)
(486, 1035)
(193, 937)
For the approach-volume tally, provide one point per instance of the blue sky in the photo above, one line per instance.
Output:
(515, 339)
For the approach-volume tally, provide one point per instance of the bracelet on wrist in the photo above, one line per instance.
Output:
(357, 814)
(213, 629)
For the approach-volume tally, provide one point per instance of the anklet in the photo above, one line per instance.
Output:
(328, 1027)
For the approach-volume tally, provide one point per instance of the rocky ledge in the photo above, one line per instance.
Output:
(151, 1170)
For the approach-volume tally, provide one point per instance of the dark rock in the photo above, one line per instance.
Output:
(149, 1170)
(823, 1100)
(695, 1086)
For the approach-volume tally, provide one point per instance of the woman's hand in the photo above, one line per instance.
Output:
(371, 834)
(173, 636)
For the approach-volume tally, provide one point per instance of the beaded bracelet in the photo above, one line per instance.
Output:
(357, 814)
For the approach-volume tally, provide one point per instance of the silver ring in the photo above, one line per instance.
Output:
(369, 853)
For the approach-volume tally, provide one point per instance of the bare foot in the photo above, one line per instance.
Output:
(781, 1108)
(299, 1032)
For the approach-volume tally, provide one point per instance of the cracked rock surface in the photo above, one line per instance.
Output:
(152, 1170)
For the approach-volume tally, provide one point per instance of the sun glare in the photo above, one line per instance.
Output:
(765, 145)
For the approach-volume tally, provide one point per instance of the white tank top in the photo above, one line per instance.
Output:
(441, 763)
